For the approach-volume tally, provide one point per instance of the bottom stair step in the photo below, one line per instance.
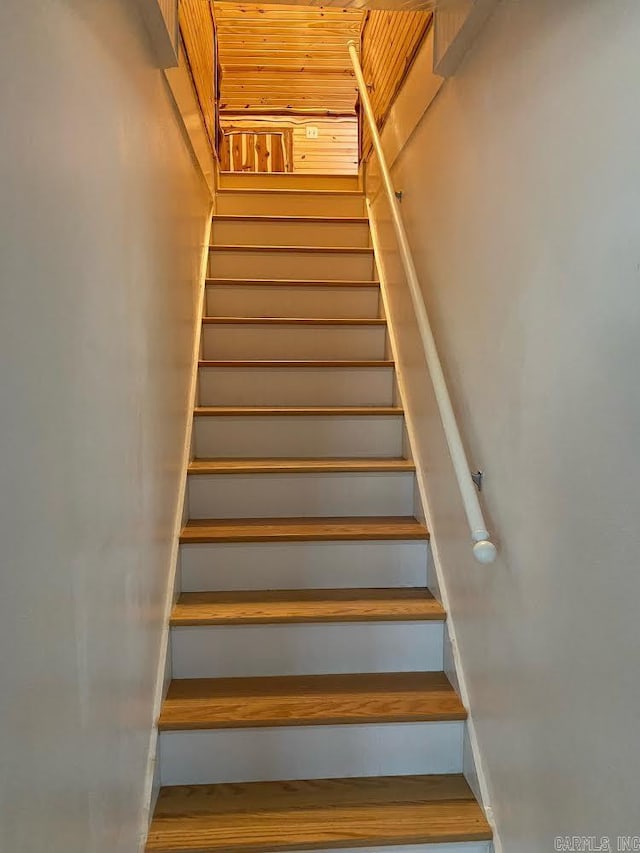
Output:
(264, 817)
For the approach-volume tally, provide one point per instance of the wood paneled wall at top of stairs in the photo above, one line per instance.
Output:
(390, 41)
(198, 37)
(335, 151)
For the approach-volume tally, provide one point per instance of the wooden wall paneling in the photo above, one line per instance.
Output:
(277, 153)
(198, 36)
(249, 159)
(249, 148)
(335, 151)
(390, 42)
(236, 148)
(225, 157)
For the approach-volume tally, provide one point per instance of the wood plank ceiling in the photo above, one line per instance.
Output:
(391, 5)
(286, 60)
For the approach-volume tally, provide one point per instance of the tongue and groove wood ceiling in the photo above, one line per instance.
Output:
(286, 59)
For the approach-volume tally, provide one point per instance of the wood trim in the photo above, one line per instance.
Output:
(313, 70)
(270, 111)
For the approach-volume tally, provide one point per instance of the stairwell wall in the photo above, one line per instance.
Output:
(102, 224)
(521, 191)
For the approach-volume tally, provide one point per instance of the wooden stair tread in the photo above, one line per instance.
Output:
(294, 321)
(260, 817)
(286, 282)
(299, 250)
(253, 217)
(306, 605)
(277, 191)
(299, 700)
(303, 411)
(298, 466)
(301, 363)
(303, 529)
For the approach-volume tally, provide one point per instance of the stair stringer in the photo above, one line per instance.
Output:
(436, 581)
(163, 672)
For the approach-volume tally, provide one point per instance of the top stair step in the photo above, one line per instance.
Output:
(288, 180)
(261, 817)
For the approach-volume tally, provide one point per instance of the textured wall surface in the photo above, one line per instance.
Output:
(101, 225)
(521, 196)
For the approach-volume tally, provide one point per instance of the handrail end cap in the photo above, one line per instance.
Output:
(485, 551)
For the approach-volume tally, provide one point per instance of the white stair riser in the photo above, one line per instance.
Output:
(304, 300)
(247, 232)
(298, 436)
(288, 180)
(299, 495)
(309, 752)
(261, 341)
(303, 565)
(289, 204)
(294, 386)
(217, 651)
(299, 265)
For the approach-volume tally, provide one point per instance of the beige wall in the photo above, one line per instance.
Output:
(522, 199)
(101, 220)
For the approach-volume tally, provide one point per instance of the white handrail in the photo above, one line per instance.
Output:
(483, 549)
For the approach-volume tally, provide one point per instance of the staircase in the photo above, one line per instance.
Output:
(308, 708)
